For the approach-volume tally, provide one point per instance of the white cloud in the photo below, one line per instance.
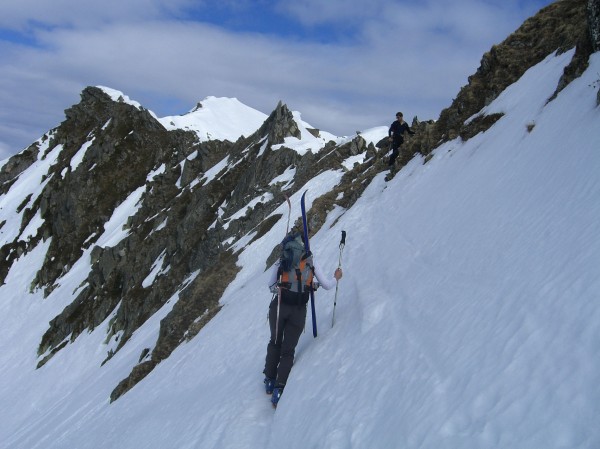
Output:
(19, 14)
(398, 55)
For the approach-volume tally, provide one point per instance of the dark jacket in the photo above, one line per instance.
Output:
(397, 129)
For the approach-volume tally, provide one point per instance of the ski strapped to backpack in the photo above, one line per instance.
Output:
(307, 249)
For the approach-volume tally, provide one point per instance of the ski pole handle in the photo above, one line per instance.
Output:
(287, 229)
(342, 244)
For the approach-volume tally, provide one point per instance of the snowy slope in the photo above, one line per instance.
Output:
(467, 316)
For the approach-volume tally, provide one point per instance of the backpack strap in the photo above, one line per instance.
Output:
(299, 278)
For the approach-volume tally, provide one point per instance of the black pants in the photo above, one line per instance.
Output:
(280, 352)
(395, 152)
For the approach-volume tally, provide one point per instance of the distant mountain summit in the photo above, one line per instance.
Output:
(217, 119)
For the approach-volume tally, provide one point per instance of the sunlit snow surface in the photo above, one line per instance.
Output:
(218, 119)
(467, 316)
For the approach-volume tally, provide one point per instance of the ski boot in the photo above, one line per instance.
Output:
(269, 385)
(277, 392)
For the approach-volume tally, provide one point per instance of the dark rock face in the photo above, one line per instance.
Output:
(177, 225)
(593, 16)
(560, 26)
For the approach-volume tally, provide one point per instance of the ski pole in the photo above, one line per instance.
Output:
(307, 251)
(342, 244)
(287, 229)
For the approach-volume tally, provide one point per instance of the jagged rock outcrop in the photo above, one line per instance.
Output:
(124, 144)
(238, 185)
(17, 164)
(557, 27)
(593, 16)
(171, 230)
(279, 125)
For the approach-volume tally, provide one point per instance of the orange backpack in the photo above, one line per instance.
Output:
(295, 266)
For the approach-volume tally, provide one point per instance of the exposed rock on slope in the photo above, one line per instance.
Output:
(557, 27)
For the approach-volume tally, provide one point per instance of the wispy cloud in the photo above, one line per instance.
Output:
(345, 66)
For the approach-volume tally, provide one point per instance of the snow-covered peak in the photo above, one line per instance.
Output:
(218, 119)
(119, 96)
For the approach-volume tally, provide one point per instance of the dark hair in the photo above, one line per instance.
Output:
(399, 114)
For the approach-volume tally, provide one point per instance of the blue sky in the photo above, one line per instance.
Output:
(346, 66)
